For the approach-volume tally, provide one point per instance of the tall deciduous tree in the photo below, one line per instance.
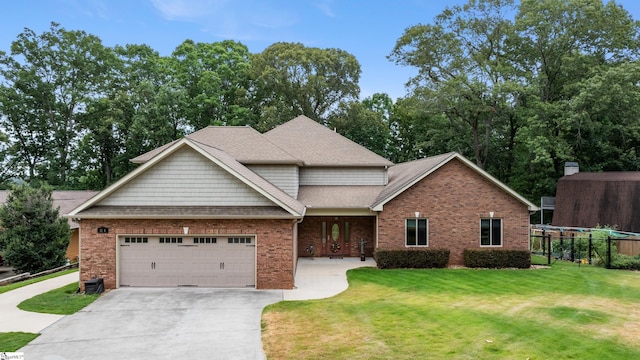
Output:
(47, 81)
(217, 80)
(33, 237)
(293, 80)
(463, 66)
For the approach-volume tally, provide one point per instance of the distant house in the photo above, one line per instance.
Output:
(66, 201)
(231, 207)
(589, 200)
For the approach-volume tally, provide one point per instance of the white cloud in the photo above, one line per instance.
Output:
(325, 7)
(187, 9)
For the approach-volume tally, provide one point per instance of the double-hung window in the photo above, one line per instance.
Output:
(416, 232)
(491, 232)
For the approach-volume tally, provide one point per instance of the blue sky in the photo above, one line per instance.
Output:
(366, 29)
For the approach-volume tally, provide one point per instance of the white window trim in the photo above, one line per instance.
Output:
(491, 234)
(405, 232)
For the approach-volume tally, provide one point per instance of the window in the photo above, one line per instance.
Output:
(490, 232)
(417, 232)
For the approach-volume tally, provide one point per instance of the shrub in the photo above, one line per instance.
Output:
(497, 258)
(33, 237)
(414, 258)
(625, 262)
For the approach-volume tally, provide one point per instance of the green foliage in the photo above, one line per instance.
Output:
(34, 236)
(416, 259)
(292, 80)
(497, 258)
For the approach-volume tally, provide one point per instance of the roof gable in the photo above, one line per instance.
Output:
(403, 176)
(226, 163)
(316, 145)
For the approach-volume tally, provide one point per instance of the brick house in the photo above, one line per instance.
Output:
(230, 207)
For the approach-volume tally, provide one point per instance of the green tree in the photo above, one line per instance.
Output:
(293, 80)
(34, 236)
(361, 125)
(47, 79)
(464, 69)
(217, 79)
(559, 45)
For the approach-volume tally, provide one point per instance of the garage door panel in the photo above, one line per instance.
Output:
(180, 261)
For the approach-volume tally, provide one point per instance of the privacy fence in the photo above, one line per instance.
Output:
(599, 246)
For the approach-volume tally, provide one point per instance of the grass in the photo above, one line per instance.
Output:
(565, 311)
(62, 301)
(20, 284)
(12, 341)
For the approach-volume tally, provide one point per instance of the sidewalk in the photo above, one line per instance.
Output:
(14, 319)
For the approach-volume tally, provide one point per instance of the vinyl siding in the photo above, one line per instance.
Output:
(284, 177)
(343, 176)
(186, 178)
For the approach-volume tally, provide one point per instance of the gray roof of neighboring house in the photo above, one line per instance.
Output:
(316, 145)
(66, 200)
(336, 197)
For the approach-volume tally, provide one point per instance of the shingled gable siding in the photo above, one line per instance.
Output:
(454, 198)
(310, 233)
(274, 239)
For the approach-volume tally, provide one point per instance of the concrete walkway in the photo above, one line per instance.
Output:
(319, 278)
(14, 319)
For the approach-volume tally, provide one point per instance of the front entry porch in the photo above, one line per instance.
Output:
(336, 236)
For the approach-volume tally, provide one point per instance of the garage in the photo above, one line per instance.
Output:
(203, 261)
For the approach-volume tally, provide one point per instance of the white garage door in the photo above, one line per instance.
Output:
(187, 261)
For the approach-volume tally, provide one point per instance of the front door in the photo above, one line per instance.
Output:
(335, 238)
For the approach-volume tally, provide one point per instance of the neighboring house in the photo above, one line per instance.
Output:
(230, 207)
(591, 199)
(65, 201)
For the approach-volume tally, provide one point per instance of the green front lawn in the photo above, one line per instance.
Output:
(561, 312)
(62, 301)
(12, 341)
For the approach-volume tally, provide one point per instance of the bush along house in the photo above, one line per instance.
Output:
(231, 207)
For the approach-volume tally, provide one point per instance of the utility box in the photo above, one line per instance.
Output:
(94, 286)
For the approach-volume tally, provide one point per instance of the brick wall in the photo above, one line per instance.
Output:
(310, 233)
(274, 240)
(454, 199)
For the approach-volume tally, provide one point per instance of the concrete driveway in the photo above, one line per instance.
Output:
(179, 323)
(152, 323)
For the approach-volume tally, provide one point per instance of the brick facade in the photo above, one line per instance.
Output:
(274, 245)
(360, 227)
(454, 198)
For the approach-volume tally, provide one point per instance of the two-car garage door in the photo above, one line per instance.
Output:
(187, 261)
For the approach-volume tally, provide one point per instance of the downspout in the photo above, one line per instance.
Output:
(295, 223)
